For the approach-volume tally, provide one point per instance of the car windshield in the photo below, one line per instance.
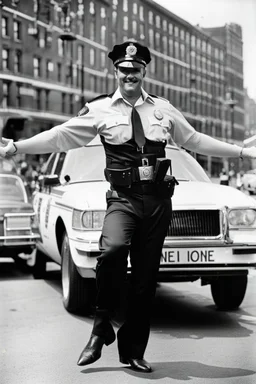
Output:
(88, 164)
(11, 188)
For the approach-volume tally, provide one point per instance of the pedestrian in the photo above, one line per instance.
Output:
(134, 128)
(224, 177)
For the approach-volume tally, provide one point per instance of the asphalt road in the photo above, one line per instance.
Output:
(190, 340)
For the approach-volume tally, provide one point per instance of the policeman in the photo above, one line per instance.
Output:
(134, 128)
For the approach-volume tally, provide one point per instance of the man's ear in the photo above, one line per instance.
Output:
(115, 71)
(144, 72)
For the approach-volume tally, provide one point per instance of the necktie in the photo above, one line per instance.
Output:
(137, 129)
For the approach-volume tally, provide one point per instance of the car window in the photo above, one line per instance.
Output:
(60, 163)
(11, 188)
(47, 169)
(88, 163)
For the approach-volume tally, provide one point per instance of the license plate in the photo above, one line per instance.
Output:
(188, 256)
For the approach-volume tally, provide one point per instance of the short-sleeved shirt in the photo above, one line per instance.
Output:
(110, 117)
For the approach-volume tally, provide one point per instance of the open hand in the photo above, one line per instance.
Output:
(6, 145)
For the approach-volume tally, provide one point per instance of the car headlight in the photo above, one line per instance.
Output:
(87, 219)
(241, 218)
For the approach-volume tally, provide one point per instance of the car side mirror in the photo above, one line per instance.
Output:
(51, 180)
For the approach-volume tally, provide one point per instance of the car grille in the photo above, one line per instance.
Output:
(194, 223)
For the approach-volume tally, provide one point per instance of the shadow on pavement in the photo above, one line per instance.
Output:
(180, 370)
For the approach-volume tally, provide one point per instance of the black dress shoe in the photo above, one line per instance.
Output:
(136, 364)
(92, 351)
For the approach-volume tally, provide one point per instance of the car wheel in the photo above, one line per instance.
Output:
(39, 267)
(78, 292)
(228, 292)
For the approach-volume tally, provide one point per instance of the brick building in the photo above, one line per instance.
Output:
(53, 58)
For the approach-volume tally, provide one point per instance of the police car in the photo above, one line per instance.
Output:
(211, 237)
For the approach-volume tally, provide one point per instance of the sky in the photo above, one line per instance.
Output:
(216, 13)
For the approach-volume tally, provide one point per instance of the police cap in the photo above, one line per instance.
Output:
(130, 54)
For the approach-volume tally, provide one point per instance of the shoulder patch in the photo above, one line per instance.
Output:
(83, 111)
(158, 97)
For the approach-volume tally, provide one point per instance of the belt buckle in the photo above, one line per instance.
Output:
(146, 171)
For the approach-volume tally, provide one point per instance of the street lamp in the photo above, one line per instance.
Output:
(231, 103)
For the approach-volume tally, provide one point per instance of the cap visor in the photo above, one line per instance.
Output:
(130, 64)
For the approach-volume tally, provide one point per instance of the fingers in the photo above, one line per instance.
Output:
(5, 146)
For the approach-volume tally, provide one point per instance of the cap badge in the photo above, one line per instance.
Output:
(131, 50)
(158, 114)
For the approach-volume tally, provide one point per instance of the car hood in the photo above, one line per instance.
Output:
(191, 194)
(200, 194)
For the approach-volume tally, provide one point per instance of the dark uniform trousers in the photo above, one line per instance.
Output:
(136, 223)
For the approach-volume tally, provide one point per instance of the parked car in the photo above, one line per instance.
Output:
(18, 230)
(212, 233)
(249, 181)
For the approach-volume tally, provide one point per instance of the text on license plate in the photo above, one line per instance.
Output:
(189, 256)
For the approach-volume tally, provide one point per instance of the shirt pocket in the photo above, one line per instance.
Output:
(116, 129)
(158, 130)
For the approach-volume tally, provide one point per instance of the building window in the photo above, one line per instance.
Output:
(103, 60)
(151, 38)
(158, 40)
(165, 48)
(125, 5)
(134, 27)
(92, 83)
(38, 99)
(5, 27)
(141, 13)
(176, 50)
(6, 95)
(158, 21)
(41, 38)
(125, 25)
(142, 31)
(92, 30)
(17, 30)
(150, 17)
(18, 96)
(102, 12)
(63, 102)
(135, 8)
(115, 4)
(103, 35)
(176, 31)
(59, 70)
(91, 8)
(17, 62)
(47, 94)
(37, 66)
(170, 47)
(71, 104)
(80, 53)
(60, 47)
(49, 68)
(164, 25)
(114, 38)
(114, 19)
(92, 56)
(170, 29)
(182, 34)
(5, 59)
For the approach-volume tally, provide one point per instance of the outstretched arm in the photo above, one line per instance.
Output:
(76, 132)
(207, 145)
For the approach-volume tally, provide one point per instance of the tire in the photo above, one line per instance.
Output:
(39, 267)
(78, 292)
(228, 292)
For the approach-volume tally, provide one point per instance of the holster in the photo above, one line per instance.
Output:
(119, 177)
(165, 188)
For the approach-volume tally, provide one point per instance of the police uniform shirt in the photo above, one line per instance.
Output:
(110, 117)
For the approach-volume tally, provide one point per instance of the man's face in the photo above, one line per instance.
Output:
(130, 80)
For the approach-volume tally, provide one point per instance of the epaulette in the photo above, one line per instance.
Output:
(159, 97)
(104, 95)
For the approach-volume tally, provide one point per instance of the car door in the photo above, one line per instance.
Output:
(42, 201)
